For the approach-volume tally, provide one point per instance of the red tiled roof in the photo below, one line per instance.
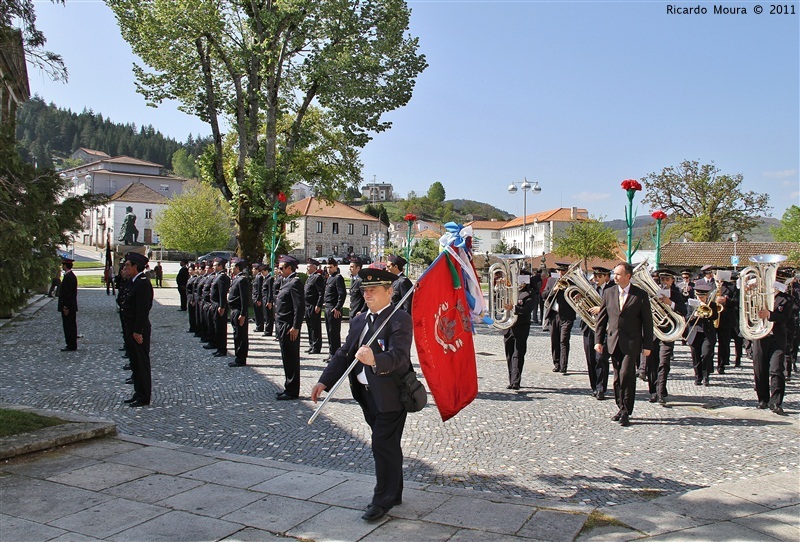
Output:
(335, 209)
(99, 154)
(564, 214)
(138, 193)
(487, 224)
(692, 254)
(130, 160)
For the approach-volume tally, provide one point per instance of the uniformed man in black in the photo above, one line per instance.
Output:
(397, 264)
(515, 338)
(372, 383)
(702, 335)
(657, 364)
(258, 295)
(189, 292)
(768, 353)
(727, 299)
(314, 291)
(335, 294)
(560, 318)
(269, 291)
(219, 304)
(68, 305)
(686, 286)
(357, 303)
(597, 363)
(181, 279)
(289, 310)
(239, 305)
(135, 307)
(206, 310)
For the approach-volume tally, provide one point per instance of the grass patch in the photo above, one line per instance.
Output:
(89, 265)
(14, 422)
(597, 520)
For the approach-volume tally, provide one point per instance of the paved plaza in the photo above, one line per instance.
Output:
(551, 442)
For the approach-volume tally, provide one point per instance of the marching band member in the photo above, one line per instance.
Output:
(702, 333)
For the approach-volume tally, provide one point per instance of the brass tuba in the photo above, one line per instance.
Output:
(756, 293)
(578, 292)
(504, 290)
(668, 325)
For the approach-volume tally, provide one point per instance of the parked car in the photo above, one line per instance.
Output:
(218, 254)
(341, 260)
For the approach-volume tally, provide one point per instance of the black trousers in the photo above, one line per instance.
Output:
(591, 359)
(70, 324)
(182, 294)
(768, 370)
(624, 379)
(259, 316)
(290, 354)
(241, 339)
(724, 336)
(702, 357)
(387, 434)
(560, 330)
(515, 340)
(657, 367)
(334, 328)
(192, 319)
(221, 332)
(314, 327)
(269, 320)
(140, 362)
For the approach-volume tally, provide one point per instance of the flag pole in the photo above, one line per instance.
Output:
(355, 361)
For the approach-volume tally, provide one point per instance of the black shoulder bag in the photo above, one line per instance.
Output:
(413, 394)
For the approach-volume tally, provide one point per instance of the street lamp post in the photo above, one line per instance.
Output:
(734, 238)
(525, 186)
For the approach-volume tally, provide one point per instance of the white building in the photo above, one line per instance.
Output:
(541, 228)
(145, 203)
(375, 192)
(486, 234)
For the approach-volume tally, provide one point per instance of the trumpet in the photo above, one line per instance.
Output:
(504, 290)
(702, 311)
(756, 294)
(668, 325)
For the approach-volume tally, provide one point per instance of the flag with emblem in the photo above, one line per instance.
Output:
(442, 311)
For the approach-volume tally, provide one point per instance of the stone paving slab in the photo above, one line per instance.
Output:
(234, 474)
(109, 518)
(22, 530)
(162, 460)
(709, 504)
(553, 526)
(401, 529)
(651, 519)
(481, 514)
(299, 485)
(100, 476)
(773, 525)
(154, 488)
(334, 524)
(178, 526)
(43, 501)
(250, 534)
(727, 531)
(275, 513)
(211, 500)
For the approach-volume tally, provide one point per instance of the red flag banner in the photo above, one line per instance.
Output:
(443, 335)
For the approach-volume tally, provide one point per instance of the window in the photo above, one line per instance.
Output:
(335, 250)
(319, 226)
(495, 235)
(292, 226)
(165, 188)
(318, 251)
(364, 251)
(366, 230)
(350, 228)
(335, 228)
(148, 213)
(112, 186)
(148, 236)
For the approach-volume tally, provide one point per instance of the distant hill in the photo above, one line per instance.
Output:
(645, 224)
(479, 211)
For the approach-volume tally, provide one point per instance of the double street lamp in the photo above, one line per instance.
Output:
(525, 186)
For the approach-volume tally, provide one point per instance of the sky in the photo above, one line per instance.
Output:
(575, 95)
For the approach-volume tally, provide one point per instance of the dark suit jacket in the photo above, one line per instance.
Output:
(219, 290)
(703, 325)
(357, 303)
(392, 350)
(400, 287)
(565, 310)
(630, 326)
(68, 292)
(136, 305)
(335, 292)
(182, 278)
(314, 290)
(239, 294)
(258, 284)
(289, 305)
(582, 326)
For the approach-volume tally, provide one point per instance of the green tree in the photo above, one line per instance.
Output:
(703, 202)
(501, 247)
(436, 192)
(425, 251)
(183, 164)
(21, 13)
(260, 66)
(194, 221)
(789, 229)
(586, 239)
(35, 221)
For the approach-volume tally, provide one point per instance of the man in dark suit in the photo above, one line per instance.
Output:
(657, 364)
(597, 364)
(219, 307)
(181, 279)
(561, 318)
(258, 295)
(269, 291)
(158, 271)
(314, 297)
(625, 326)
(335, 294)
(189, 293)
(68, 305)
(135, 309)
(239, 304)
(289, 310)
(372, 383)
(535, 289)
(702, 335)
(727, 299)
(357, 303)
(515, 338)
(397, 264)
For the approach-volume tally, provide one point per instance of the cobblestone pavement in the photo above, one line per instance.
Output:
(549, 440)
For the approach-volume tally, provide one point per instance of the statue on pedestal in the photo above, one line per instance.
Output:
(128, 233)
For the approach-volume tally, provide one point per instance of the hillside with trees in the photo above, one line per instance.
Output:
(47, 133)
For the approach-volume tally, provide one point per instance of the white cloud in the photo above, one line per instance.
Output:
(592, 196)
(781, 174)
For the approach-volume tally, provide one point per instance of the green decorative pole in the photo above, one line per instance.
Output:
(631, 186)
(274, 241)
(409, 218)
(659, 216)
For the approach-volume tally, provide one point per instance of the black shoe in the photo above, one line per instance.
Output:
(653, 398)
(698, 382)
(510, 387)
(326, 360)
(600, 396)
(762, 405)
(259, 330)
(373, 513)
(642, 375)
(234, 364)
(122, 349)
(721, 370)
(315, 352)
(309, 351)
(131, 400)
(137, 404)
(564, 373)
(777, 409)
(267, 334)
(515, 387)
(556, 370)
(285, 397)
(209, 347)
(127, 367)
(662, 401)
(65, 349)
(220, 354)
(705, 383)
(624, 421)
(126, 356)
(616, 417)
(129, 381)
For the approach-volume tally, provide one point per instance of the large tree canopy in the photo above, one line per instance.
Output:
(789, 230)
(702, 202)
(263, 67)
(194, 221)
(586, 239)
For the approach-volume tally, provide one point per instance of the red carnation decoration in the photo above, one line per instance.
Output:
(631, 184)
(659, 215)
(410, 218)
(281, 197)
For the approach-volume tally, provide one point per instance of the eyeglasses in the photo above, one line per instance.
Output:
(281, 268)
